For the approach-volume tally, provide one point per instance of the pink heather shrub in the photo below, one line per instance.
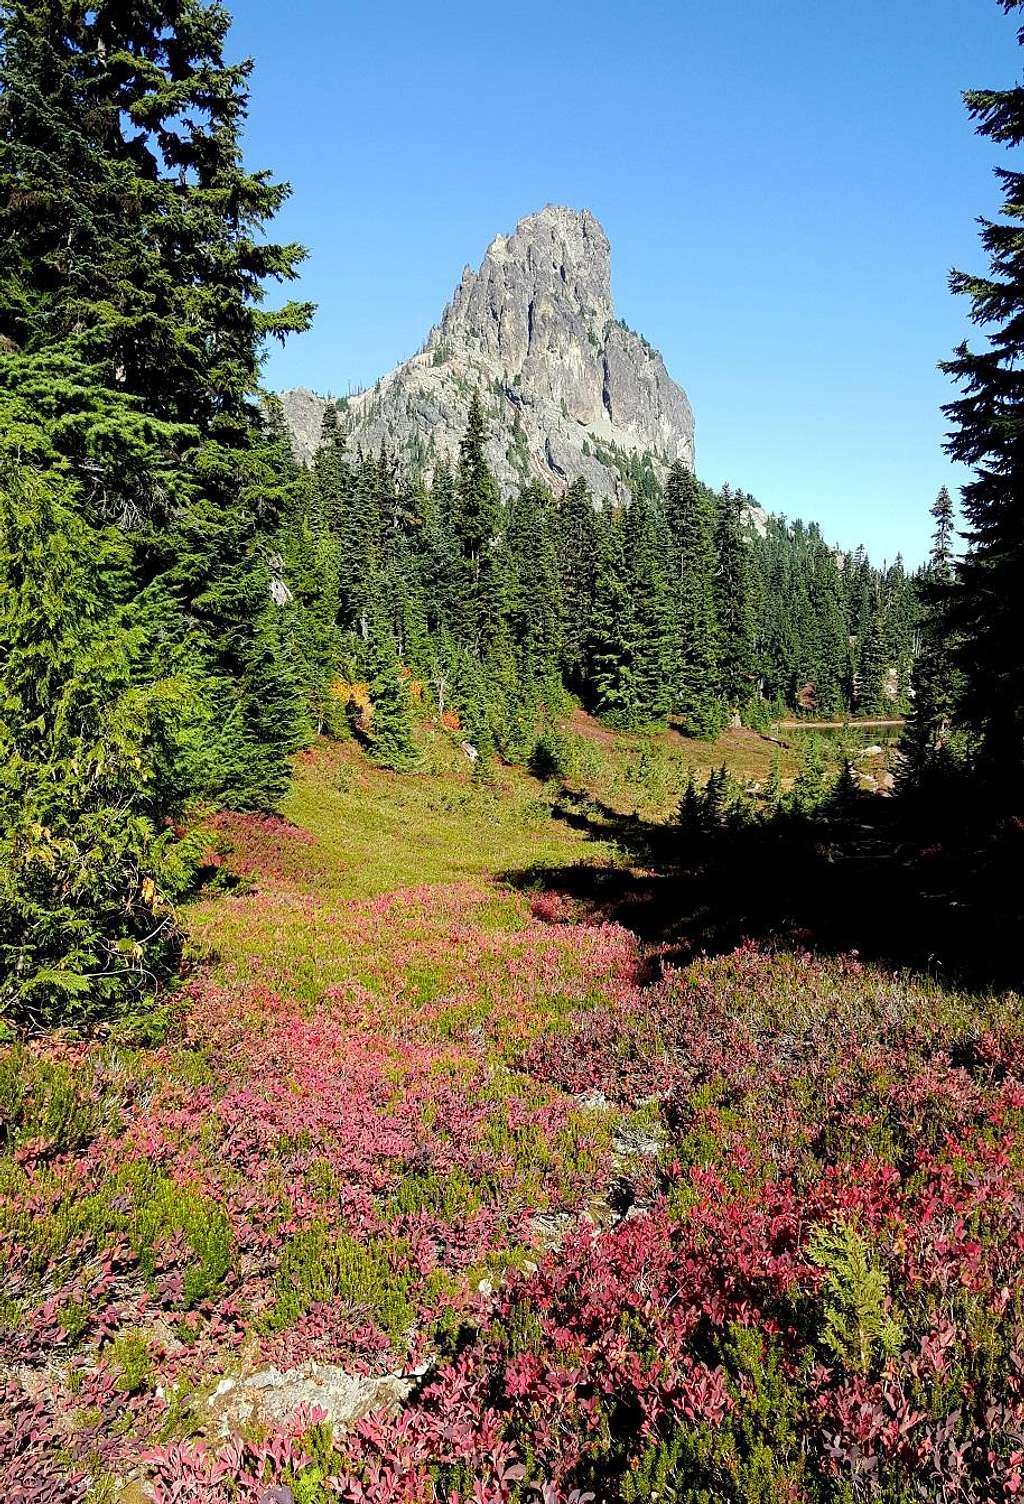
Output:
(752, 1231)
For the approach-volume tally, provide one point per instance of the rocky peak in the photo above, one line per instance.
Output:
(569, 390)
(549, 278)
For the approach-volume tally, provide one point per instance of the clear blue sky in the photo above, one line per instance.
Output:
(785, 185)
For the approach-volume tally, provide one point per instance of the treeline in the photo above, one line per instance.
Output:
(495, 610)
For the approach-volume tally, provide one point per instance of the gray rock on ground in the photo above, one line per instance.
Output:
(271, 1397)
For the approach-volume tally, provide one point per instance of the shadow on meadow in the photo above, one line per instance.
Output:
(858, 880)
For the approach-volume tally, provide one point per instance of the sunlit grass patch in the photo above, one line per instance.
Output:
(363, 1277)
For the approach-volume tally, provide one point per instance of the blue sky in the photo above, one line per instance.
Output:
(785, 185)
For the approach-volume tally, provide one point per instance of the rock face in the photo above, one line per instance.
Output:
(568, 389)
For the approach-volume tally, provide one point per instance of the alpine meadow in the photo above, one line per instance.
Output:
(509, 952)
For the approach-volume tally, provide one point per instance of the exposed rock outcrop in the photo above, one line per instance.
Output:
(569, 390)
(271, 1398)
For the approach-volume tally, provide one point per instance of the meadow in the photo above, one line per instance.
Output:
(598, 1217)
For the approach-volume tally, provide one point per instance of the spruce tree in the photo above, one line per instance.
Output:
(133, 258)
(773, 786)
(481, 598)
(690, 516)
(732, 596)
(873, 669)
(577, 563)
(937, 685)
(331, 475)
(651, 615)
(988, 435)
(439, 560)
(91, 766)
(831, 666)
(612, 647)
(390, 736)
(536, 612)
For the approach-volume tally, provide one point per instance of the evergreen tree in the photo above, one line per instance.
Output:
(871, 697)
(830, 653)
(612, 647)
(942, 557)
(481, 598)
(937, 684)
(988, 435)
(846, 792)
(651, 618)
(773, 786)
(536, 612)
(577, 545)
(91, 762)
(690, 516)
(390, 736)
(360, 584)
(808, 792)
(732, 597)
(332, 478)
(439, 561)
(690, 807)
(716, 800)
(132, 264)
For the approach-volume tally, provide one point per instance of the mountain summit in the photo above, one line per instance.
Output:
(568, 388)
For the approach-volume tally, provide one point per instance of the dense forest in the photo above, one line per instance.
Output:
(683, 605)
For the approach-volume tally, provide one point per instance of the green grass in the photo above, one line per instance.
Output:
(377, 831)
(319, 1266)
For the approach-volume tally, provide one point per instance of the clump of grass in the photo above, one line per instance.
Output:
(50, 1101)
(319, 1265)
(139, 1206)
(130, 1358)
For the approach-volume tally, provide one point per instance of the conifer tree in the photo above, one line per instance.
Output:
(690, 807)
(132, 266)
(988, 435)
(536, 615)
(439, 561)
(331, 476)
(732, 597)
(937, 685)
(483, 583)
(690, 517)
(651, 616)
(91, 761)
(873, 668)
(808, 791)
(716, 801)
(829, 653)
(612, 648)
(846, 793)
(390, 736)
(773, 786)
(577, 563)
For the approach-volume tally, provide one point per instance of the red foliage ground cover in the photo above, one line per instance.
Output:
(790, 1192)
